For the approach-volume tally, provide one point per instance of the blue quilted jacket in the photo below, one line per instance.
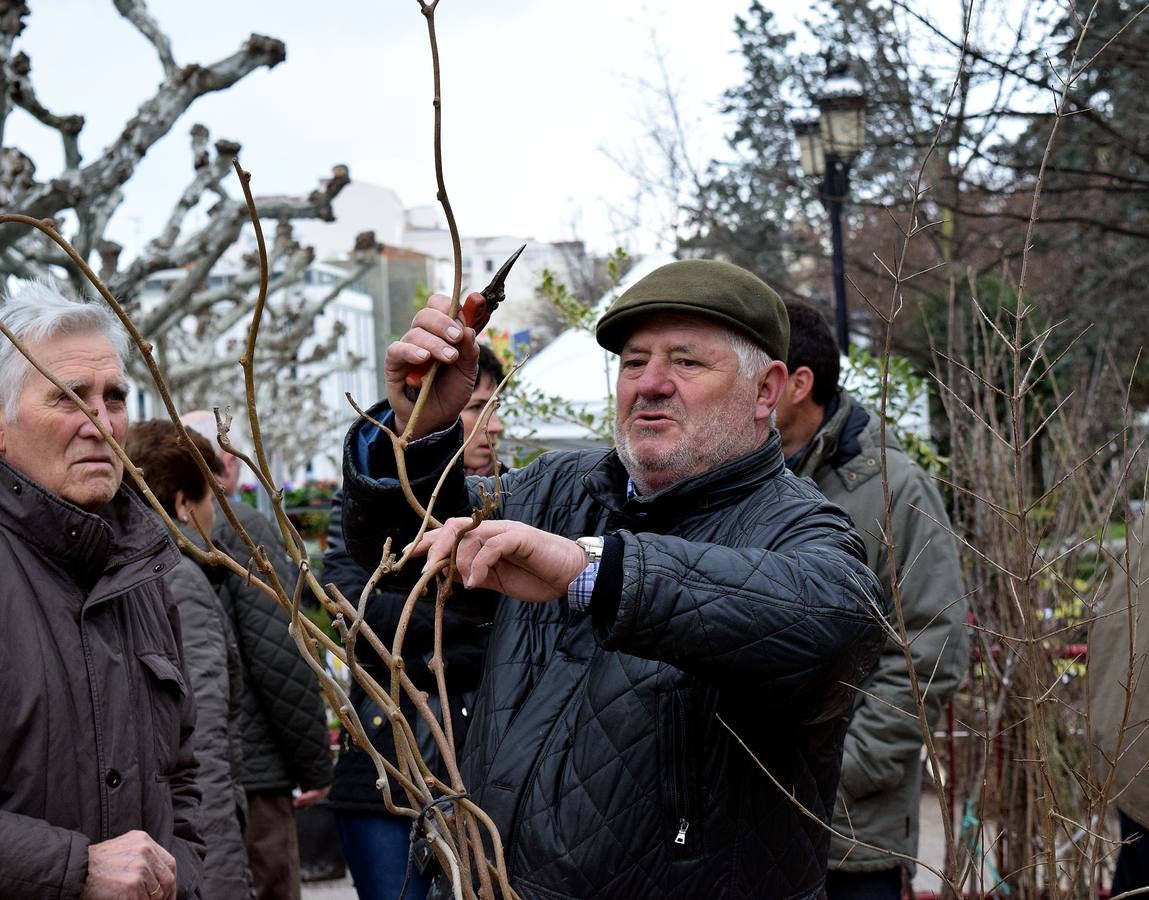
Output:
(684, 738)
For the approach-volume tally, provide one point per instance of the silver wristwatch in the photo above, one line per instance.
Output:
(592, 546)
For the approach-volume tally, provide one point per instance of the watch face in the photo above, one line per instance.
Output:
(592, 546)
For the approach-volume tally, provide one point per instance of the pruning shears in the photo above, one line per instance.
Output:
(475, 313)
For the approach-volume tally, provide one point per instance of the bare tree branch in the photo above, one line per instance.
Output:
(136, 12)
(96, 185)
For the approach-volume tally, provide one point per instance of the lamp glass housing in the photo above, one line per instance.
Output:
(843, 124)
(811, 152)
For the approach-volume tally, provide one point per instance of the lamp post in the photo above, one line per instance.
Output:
(829, 140)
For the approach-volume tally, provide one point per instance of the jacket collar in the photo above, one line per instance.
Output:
(731, 481)
(84, 544)
(831, 436)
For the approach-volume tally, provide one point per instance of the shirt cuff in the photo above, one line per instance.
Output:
(581, 589)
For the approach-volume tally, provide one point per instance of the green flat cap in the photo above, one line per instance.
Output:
(703, 287)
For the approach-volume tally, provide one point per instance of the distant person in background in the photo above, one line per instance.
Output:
(210, 651)
(284, 721)
(828, 436)
(1108, 676)
(204, 422)
(479, 456)
(375, 843)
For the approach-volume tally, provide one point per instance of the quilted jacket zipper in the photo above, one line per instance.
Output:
(681, 799)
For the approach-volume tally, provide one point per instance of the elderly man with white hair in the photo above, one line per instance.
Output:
(97, 774)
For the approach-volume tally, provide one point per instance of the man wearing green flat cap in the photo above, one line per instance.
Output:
(669, 671)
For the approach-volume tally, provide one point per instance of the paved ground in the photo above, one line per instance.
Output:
(931, 842)
(330, 890)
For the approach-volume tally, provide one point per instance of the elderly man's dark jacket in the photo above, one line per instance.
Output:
(650, 749)
(96, 728)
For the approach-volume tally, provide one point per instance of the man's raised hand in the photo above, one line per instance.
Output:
(433, 337)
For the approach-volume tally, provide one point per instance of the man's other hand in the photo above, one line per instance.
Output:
(515, 559)
(130, 867)
(433, 337)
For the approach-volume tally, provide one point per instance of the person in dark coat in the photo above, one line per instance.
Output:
(375, 842)
(98, 795)
(671, 668)
(213, 662)
(283, 721)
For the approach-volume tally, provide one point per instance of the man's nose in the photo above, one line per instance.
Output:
(655, 379)
(87, 428)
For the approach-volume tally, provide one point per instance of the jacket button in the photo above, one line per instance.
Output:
(377, 721)
(113, 779)
(73, 533)
(871, 462)
(17, 487)
(158, 567)
(852, 476)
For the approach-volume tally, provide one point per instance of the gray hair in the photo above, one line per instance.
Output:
(752, 359)
(37, 312)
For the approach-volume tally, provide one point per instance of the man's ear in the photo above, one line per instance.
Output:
(772, 382)
(180, 504)
(3, 435)
(800, 385)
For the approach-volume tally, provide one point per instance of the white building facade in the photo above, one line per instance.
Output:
(303, 407)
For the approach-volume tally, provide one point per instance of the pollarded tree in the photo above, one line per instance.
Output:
(191, 288)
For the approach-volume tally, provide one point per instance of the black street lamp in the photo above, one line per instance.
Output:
(829, 140)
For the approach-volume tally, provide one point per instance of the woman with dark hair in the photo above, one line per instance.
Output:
(213, 663)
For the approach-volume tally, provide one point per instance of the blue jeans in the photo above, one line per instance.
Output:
(883, 885)
(376, 847)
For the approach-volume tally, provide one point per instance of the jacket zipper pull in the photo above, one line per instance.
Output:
(682, 826)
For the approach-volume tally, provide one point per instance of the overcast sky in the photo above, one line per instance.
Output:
(533, 92)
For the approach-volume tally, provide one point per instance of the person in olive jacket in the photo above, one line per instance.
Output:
(98, 797)
(669, 673)
(828, 436)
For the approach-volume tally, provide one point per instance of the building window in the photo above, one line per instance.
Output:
(490, 265)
